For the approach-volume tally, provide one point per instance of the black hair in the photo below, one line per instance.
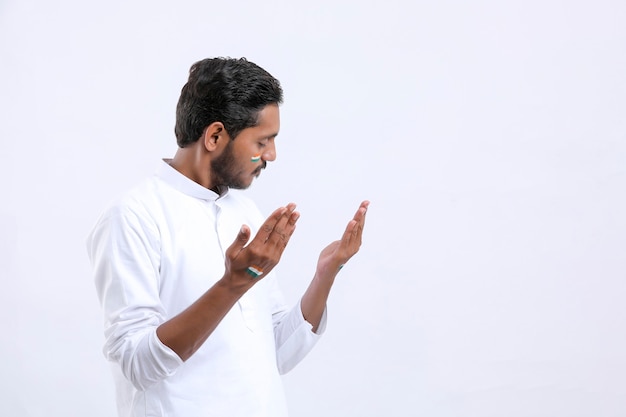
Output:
(227, 90)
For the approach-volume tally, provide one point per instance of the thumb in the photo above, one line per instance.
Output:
(240, 241)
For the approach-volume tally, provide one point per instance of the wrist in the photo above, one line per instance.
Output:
(237, 286)
(330, 268)
(326, 274)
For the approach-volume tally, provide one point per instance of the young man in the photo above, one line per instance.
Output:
(195, 324)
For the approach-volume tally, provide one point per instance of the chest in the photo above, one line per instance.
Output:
(193, 242)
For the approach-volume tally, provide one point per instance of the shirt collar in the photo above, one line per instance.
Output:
(171, 176)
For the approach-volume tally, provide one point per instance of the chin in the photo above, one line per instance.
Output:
(240, 185)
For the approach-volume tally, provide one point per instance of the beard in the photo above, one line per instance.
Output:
(225, 172)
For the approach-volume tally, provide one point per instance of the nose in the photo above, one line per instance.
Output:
(269, 153)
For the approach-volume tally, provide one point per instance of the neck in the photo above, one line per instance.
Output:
(195, 165)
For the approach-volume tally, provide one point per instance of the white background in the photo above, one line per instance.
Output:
(490, 137)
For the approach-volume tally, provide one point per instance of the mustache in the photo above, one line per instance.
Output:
(260, 168)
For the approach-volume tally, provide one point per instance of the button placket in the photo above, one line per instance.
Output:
(227, 230)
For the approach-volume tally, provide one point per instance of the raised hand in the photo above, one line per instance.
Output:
(334, 256)
(247, 264)
(330, 261)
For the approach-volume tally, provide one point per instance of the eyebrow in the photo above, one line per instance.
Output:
(268, 137)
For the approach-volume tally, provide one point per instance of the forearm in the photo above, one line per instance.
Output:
(187, 331)
(314, 300)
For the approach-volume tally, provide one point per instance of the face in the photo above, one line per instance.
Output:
(243, 158)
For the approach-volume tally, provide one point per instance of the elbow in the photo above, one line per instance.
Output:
(142, 360)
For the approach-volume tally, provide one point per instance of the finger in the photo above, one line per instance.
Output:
(267, 227)
(284, 228)
(294, 218)
(350, 234)
(353, 232)
(240, 241)
(361, 212)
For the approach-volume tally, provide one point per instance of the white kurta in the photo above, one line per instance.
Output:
(155, 252)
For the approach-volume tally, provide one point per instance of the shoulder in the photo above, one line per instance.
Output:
(134, 209)
(137, 201)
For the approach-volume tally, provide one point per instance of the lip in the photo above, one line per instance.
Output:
(260, 168)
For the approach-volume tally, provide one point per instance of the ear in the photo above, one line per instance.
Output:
(214, 136)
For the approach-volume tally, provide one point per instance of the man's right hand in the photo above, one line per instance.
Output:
(263, 252)
(186, 332)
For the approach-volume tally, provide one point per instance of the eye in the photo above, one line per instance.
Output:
(262, 145)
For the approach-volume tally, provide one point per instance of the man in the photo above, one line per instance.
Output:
(195, 324)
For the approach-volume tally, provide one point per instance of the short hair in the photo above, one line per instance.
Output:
(227, 90)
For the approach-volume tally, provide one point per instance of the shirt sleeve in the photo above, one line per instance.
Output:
(294, 337)
(124, 251)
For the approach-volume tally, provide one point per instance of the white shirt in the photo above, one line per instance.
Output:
(154, 253)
